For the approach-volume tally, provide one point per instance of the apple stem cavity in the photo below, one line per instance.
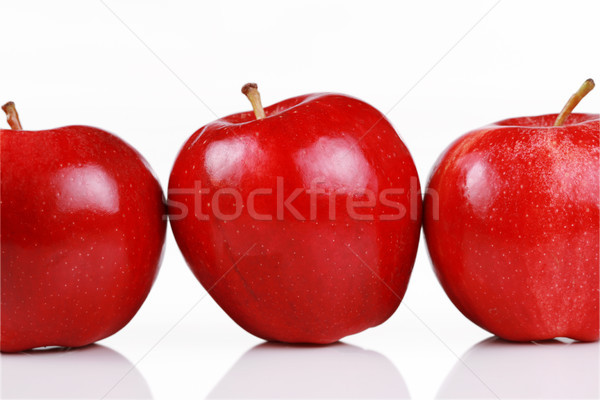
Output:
(587, 86)
(250, 90)
(12, 116)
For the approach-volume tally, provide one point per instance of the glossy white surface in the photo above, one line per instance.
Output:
(87, 372)
(544, 370)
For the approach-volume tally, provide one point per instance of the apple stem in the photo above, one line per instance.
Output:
(587, 86)
(251, 92)
(12, 116)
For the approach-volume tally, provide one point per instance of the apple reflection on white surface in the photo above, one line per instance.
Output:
(554, 369)
(274, 370)
(93, 371)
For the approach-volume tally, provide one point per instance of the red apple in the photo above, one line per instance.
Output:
(511, 222)
(82, 235)
(301, 220)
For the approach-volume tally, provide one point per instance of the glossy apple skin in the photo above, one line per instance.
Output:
(516, 242)
(287, 279)
(82, 236)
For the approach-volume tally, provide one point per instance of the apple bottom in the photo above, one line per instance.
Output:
(76, 297)
(303, 281)
(307, 318)
(540, 292)
(510, 319)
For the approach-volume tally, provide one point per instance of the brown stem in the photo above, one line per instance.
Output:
(587, 86)
(251, 92)
(12, 116)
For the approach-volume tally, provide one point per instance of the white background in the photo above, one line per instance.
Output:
(155, 72)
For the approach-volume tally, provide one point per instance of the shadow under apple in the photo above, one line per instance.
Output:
(276, 370)
(495, 368)
(92, 371)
